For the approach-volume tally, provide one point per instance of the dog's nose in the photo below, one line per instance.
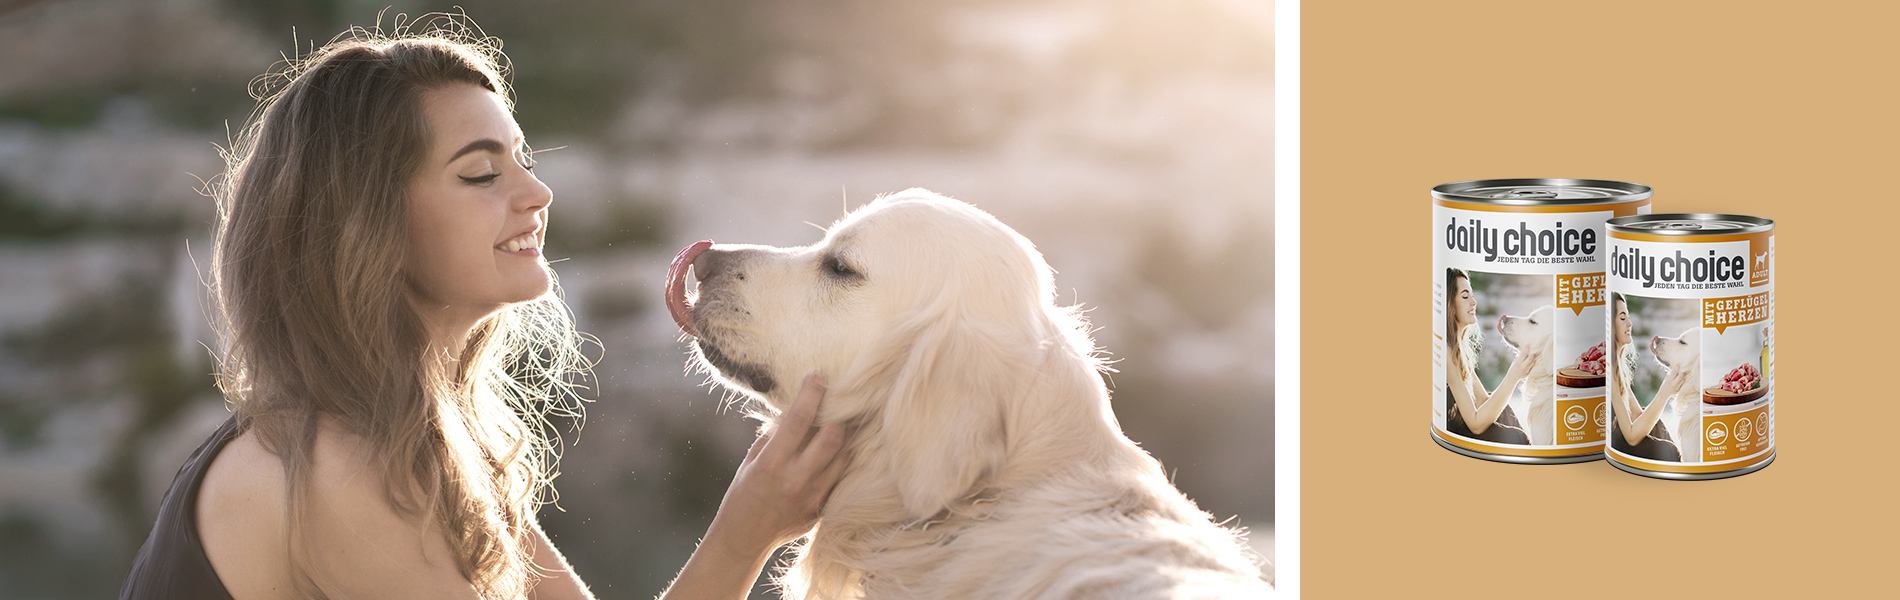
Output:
(711, 263)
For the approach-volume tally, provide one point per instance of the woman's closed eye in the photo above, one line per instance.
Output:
(527, 163)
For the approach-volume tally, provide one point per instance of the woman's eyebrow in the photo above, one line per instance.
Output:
(488, 144)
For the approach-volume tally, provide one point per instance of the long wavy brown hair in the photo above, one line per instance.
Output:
(1454, 343)
(310, 288)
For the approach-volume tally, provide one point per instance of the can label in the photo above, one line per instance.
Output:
(1692, 333)
(1518, 351)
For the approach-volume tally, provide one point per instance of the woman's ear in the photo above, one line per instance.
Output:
(944, 424)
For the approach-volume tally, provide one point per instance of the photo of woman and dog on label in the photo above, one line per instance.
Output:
(1655, 397)
(1497, 376)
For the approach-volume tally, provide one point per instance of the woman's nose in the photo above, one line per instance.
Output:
(535, 195)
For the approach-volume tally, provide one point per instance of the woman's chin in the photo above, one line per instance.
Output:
(527, 290)
(537, 292)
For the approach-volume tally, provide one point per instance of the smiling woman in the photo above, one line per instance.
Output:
(394, 344)
(379, 445)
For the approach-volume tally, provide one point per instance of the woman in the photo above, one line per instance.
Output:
(1470, 410)
(1639, 428)
(394, 343)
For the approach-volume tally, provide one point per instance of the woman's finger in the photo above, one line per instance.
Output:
(828, 479)
(824, 447)
(757, 445)
(795, 423)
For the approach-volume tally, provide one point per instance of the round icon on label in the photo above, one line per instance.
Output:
(1761, 424)
(1602, 416)
(1742, 430)
(1718, 433)
(1575, 417)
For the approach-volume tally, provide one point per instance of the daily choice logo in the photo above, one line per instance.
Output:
(1518, 239)
(1633, 264)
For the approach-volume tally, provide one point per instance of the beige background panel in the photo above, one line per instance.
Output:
(1777, 110)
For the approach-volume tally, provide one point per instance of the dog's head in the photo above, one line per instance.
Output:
(1528, 333)
(1678, 352)
(925, 315)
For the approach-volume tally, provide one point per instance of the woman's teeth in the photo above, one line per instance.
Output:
(520, 243)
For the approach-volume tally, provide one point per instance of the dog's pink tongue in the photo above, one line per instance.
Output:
(677, 304)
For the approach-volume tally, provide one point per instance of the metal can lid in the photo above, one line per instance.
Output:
(1688, 224)
(1542, 192)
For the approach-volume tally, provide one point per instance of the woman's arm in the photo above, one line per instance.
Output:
(1480, 412)
(1635, 427)
(774, 499)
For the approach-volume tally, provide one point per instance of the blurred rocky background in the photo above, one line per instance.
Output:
(1130, 139)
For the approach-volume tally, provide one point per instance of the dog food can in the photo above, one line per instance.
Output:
(1518, 353)
(1692, 319)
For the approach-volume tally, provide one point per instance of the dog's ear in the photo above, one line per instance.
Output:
(944, 422)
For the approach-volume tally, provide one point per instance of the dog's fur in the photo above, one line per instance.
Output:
(1531, 333)
(1677, 354)
(987, 463)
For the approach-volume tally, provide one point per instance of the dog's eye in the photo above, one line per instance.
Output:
(837, 266)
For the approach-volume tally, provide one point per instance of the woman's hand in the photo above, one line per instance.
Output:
(774, 499)
(1521, 366)
(1671, 388)
(787, 474)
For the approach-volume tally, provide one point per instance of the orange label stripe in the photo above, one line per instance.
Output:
(1513, 450)
(1697, 468)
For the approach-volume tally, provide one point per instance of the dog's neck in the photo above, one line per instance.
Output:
(1066, 432)
(1060, 447)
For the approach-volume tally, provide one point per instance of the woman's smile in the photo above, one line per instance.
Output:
(527, 244)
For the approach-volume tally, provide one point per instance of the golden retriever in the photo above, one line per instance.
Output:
(1531, 334)
(1682, 357)
(987, 462)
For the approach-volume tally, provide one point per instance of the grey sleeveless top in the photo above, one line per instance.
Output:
(172, 562)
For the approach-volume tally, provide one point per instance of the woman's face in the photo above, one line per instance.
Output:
(477, 214)
(1464, 305)
(1623, 325)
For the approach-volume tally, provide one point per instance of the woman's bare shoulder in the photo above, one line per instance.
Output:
(241, 519)
(248, 481)
(247, 477)
(361, 544)
(353, 534)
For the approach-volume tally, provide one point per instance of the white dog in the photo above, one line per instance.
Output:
(1682, 356)
(987, 463)
(1532, 334)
